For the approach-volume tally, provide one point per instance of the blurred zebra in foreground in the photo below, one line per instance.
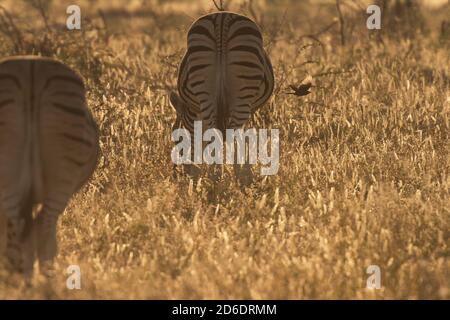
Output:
(225, 75)
(48, 149)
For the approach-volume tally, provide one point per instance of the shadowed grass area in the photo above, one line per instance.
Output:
(364, 173)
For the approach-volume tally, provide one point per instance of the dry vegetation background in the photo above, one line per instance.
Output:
(364, 170)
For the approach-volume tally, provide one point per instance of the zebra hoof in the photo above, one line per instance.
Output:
(244, 175)
(46, 269)
(28, 280)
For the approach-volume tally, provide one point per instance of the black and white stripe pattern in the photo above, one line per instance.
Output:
(48, 149)
(225, 75)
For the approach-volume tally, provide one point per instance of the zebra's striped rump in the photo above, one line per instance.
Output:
(225, 75)
(48, 143)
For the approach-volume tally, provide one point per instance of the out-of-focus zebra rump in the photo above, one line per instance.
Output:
(48, 149)
(225, 75)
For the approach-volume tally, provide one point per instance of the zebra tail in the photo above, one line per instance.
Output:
(26, 213)
(222, 102)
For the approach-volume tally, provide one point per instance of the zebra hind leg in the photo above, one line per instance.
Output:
(14, 245)
(3, 231)
(29, 252)
(46, 241)
(19, 249)
(243, 172)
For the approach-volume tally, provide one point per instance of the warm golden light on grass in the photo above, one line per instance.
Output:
(364, 174)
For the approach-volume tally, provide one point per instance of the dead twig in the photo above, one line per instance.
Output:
(315, 36)
(307, 62)
(220, 6)
(259, 19)
(273, 35)
(40, 8)
(10, 30)
(327, 73)
(331, 25)
(341, 22)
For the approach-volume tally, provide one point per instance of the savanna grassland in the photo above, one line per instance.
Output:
(364, 175)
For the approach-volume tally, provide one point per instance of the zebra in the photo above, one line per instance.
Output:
(225, 75)
(49, 145)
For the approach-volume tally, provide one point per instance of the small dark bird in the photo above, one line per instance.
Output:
(302, 89)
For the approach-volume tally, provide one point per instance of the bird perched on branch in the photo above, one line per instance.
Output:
(302, 89)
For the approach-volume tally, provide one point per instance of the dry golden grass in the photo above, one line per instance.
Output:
(364, 170)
